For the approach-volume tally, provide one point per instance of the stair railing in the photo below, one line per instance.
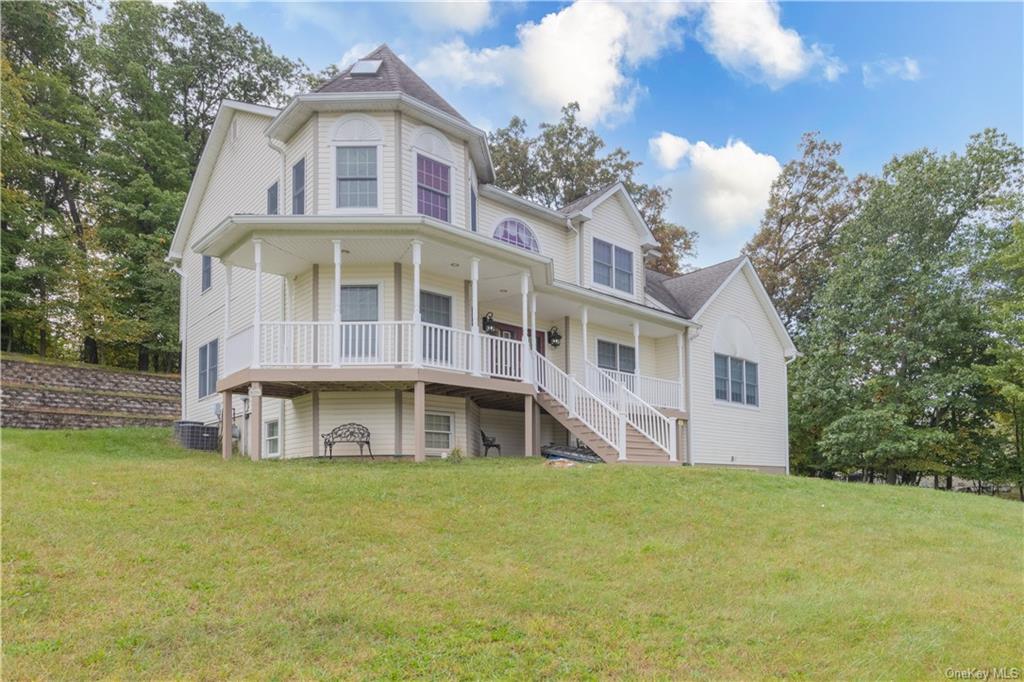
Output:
(640, 414)
(581, 403)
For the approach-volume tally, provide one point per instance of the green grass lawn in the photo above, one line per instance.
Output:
(126, 557)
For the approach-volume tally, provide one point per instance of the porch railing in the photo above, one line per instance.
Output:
(582, 403)
(658, 392)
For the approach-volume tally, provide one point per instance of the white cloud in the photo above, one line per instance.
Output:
(580, 53)
(905, 68)
(748, 37)
(719, 189)
(668, 149)
(467, 17)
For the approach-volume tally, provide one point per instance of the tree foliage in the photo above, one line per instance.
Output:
(103, 127)
(811, 200)
(892, 379)
(567, 160)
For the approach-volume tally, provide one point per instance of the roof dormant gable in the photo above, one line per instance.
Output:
(744, 270)
(219, 134)
(583, 209)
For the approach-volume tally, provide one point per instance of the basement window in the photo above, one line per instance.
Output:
(438, 431)
(271, 438)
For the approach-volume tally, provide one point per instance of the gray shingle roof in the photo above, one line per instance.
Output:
(685, 294)
(394, 75)
(586, 200)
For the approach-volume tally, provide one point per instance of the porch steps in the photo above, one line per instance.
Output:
(639, 449)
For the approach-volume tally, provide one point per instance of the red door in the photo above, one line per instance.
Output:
(510, 331)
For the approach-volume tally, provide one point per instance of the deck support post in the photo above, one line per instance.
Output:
(257, 315)
(255, 421)
(528, 438)
(419, 411)
(336, 318)
(417, 335)
(474, 312)
(524, 289)
(226, 424)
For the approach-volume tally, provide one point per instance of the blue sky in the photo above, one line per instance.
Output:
(712, 98)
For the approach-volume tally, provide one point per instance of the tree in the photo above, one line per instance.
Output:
(891, 377)
(810, 202)
(564, 162)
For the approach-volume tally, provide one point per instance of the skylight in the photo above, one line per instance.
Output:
(366, 67)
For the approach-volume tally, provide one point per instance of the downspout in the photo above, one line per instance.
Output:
(182, 331)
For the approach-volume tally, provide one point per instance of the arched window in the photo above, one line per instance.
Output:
(516, 233)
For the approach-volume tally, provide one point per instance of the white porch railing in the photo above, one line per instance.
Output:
(641, 415)
(389, 344)
(659, 392)
(501, 357)
(583, 404)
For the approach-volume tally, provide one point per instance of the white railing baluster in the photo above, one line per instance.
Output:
(581, 403)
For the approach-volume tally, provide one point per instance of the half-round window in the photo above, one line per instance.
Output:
(517, 233)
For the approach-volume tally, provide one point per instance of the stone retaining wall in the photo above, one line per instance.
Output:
(44, 395)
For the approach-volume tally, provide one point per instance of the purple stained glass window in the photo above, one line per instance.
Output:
(517, 233)
(432, 188)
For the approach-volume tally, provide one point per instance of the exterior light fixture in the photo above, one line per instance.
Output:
(488, 323)
(554, 338)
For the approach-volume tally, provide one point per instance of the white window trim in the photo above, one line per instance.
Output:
(356, 210)
(604, 287)
(266, 438)
(416, 151)
(212, 393)
(379, 283)
(451, 433)
(518, 219)
(617, 344)
(201, 289)
(305, 180)
(727, 401)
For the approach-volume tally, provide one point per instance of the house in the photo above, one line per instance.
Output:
(348, 258)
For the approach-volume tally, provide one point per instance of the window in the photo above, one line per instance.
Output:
(436, 309)
(271, 438)
(208, 369)
(272, 199)
(299, 188)
(438, 429)
(432, 188)
(616, 357)
(613, 266)
(735, 380)
(358, 304)
(356, 177)
(517, 233)
(472, 209)
(207, 272)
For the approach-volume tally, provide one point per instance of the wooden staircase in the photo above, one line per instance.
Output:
(639, 449)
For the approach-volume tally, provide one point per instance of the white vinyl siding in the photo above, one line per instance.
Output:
(554, 239)
(727, 432)
(611, 224)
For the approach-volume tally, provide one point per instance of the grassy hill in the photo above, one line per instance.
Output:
(127, 557)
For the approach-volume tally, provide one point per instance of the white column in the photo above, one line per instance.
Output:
(636, 351)
(417, 335)
(584, 315)
(680, 371)
(524, 289)
(336, 318)
(474, 311)
(257, 315)
(533, 321)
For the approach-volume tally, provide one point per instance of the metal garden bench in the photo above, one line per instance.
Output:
(347, 433)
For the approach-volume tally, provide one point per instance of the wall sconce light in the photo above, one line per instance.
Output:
(488, 323)
(554, 338)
